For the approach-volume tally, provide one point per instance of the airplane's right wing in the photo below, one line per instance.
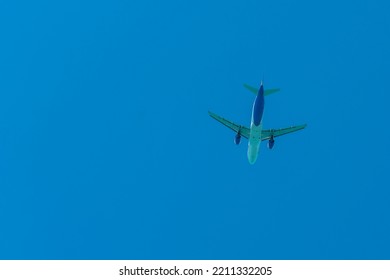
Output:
(267, 133)
(244, 131)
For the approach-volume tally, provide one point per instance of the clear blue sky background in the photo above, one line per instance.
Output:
(107, 150)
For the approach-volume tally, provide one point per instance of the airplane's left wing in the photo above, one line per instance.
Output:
(244, 131)
(267, 133)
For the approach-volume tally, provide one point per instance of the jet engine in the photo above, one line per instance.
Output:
(237, 139)
(271, 142)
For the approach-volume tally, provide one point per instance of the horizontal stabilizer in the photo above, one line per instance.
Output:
(252, 89)
(270, 91)
(256, 90)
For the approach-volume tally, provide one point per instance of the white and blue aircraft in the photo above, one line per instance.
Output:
(255, 134)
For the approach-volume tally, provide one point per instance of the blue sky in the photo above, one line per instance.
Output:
(107, 150)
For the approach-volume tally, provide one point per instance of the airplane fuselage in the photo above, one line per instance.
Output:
(256, 126)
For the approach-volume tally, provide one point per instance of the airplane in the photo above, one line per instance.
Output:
(255, 134)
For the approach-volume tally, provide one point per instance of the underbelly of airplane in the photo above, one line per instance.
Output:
(254, 142)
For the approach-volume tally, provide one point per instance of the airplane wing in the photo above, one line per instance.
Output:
(267, 133)
(244, 131)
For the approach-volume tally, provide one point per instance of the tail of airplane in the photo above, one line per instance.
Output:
(256, 90)
(270, 91)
